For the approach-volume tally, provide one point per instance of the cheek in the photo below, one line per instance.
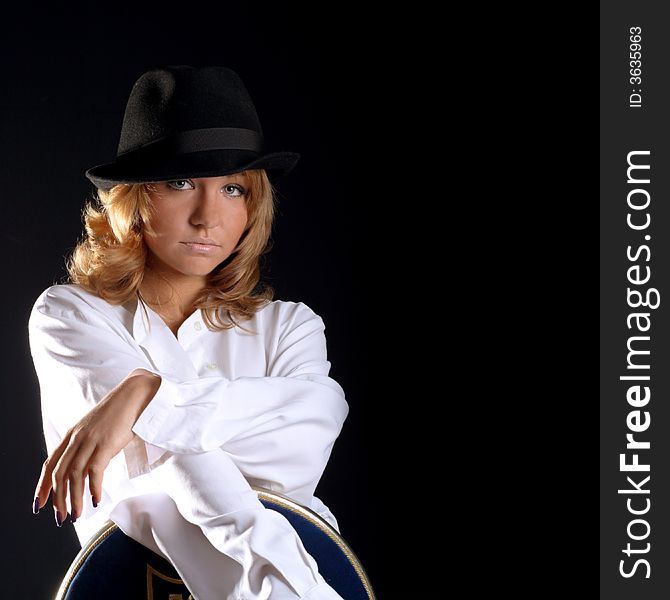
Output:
(244, 219)
(238, 220)
(153, 233)
(157, 234)
(162, 222)
(152, 243)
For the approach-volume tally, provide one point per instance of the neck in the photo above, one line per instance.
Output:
(171, 297)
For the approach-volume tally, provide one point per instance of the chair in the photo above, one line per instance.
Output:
(112, 565)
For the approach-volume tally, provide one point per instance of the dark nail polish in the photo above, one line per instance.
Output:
(73, 519)
(95, 501)
(36, 506)
(59, 519)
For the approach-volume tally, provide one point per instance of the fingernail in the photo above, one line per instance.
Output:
(59, 518)
(72, 518)
(95, 501)
(36, 506)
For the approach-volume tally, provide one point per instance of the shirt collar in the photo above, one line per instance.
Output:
(160, 344)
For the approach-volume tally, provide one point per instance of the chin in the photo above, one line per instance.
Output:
(200, 270)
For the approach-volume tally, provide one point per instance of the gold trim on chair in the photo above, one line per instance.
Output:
(92, 544)
(263, 494)
(324, 526)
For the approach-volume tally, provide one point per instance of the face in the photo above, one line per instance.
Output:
(195, 223)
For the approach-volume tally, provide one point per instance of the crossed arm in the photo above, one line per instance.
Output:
(99, 393)
(91, 443)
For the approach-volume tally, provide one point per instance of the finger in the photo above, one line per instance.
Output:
(43, 488)
(59, 491)
(96, 469)
(76, 489)
(71, 465)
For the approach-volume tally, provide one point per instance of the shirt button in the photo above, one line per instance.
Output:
(211, 366)
(197, 325)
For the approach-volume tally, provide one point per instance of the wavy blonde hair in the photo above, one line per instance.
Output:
(110, 260)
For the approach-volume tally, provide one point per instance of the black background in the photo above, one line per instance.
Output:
(314, 78)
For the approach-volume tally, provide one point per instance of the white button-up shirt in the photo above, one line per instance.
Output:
(220, 389)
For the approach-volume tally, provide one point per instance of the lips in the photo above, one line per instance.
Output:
(201, 245)
(201, 241)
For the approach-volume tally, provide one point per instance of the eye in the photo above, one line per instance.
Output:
(180, 184)
(234, 190)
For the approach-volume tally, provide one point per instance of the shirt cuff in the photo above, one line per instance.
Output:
(156, 413)
(181, 413)
(322, 591)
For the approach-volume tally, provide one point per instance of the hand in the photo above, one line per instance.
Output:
(90, 444)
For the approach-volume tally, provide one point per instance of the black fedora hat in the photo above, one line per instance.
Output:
(182, 122)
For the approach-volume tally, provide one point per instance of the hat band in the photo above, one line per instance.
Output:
(215, 138)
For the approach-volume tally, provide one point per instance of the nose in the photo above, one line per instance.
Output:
(206, 212)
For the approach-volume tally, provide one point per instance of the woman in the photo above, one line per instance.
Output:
(170, 382)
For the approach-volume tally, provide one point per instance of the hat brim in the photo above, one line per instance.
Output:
(210, 163)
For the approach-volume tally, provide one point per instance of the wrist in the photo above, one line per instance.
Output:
(143, 387)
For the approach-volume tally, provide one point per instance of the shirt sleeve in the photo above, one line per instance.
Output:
(80, 354)
(279, 429)
(296, 398)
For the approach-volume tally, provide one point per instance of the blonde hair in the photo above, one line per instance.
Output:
(110, 260)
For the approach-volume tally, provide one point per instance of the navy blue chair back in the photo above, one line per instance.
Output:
(112, 565)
